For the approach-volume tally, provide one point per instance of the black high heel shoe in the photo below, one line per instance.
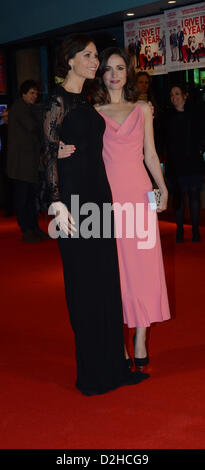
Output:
(129, 362)
(141, 361)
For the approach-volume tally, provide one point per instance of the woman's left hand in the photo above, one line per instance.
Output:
(151, 107)
(163, 201)
(65, 150)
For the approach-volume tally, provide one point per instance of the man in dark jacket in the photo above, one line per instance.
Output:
(23, 160)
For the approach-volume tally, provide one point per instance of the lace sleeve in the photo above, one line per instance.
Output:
(53, 118)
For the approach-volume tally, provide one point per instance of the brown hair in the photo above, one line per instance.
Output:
(69, 48)
(142, 74)
(98, 91)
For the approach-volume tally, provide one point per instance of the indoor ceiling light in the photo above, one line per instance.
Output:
(172, 1)
(130, 14)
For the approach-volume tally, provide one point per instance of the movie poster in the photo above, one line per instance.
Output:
(185, 30)
(2, 75)
(145, 41)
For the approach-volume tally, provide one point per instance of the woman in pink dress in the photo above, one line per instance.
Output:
(128, 141)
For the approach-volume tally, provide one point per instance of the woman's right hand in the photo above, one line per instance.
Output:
(65, 151)
(163, 201)
(65, 220)
(151, 107)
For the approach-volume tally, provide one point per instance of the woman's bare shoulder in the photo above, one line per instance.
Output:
(99, 107)
(145, 106)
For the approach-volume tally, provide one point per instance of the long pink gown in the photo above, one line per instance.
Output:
(143, 286)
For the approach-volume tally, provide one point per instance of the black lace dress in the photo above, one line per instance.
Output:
(90, 265)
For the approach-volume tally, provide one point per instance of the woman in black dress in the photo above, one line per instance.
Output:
(90, 264)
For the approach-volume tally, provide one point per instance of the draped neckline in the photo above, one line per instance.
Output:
(116, 122)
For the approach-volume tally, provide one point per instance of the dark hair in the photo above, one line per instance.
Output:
(26, 86)
(69, 48)
(181, 86)
(98, 92)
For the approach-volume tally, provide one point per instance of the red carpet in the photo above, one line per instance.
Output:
(40, 407)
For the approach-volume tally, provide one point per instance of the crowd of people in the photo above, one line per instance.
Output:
(98, 143)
